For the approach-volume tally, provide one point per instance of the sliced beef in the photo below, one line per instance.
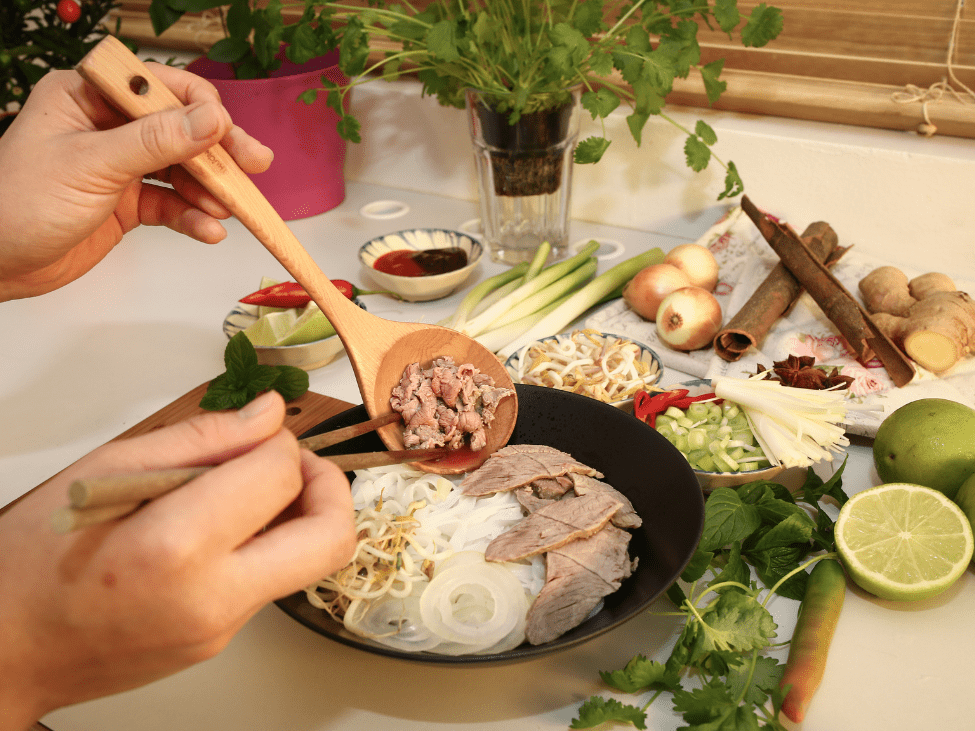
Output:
(517, 465)
(625, 517)
(577, 576)
(446, 405)
(530, 500)
(552, 526)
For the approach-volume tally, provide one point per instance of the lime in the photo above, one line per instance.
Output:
(965, 498)
(311, 325)
(903, 542)
(928, 442)
(263, 310)
(271, 328)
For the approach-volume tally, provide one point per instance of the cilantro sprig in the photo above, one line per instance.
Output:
(717, 675)
(245, 378)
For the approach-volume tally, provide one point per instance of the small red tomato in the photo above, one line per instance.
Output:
(69, 11)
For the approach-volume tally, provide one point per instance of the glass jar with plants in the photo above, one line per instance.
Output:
(525, 70)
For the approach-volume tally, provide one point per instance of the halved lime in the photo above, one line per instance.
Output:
(903, 542)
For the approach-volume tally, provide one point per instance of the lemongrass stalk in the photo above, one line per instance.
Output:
(583, 299)
(479, 292)
(495, 339)
(475, 326)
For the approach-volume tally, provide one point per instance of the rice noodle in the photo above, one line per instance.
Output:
(411, 525)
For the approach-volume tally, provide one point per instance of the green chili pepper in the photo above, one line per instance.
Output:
(818, 615)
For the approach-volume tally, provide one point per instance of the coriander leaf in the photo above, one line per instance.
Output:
(735, 622)
(726, 519)
(600, 103)
(764, 24)
(697, 154)
(703, 706)
(733, 184)
(442, 41)
(704, 131)
(762, 680)
(712, 85)
(727, 15)
(590, 150)
(597, 711)
(291, 382)
(588, 18)
(640, 674)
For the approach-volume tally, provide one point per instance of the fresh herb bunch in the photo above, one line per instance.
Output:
(245, 378)
(760, 526)
(523, 56)
(37, 36)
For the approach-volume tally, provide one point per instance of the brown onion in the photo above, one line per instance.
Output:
(697, 262)
(688, 318)
(650, 285)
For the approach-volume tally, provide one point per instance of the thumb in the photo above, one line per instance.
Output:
(162, 139)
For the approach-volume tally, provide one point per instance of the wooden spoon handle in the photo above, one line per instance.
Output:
(128, 83)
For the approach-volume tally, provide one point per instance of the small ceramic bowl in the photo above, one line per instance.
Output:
(307, 356)
(513, 364)
(429, 287)
(710, 480)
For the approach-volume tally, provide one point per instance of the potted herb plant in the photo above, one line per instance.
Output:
(524, 70)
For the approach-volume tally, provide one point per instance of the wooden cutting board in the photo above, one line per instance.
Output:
(300, 415)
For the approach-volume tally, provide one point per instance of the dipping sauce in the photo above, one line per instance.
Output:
(409, 263)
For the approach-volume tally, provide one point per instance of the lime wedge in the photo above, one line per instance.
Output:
(903, 542)
(310, 326)
(263, 310)
(271, 328)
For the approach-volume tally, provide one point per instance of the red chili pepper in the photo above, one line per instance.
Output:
(284, 294)
(646, 407)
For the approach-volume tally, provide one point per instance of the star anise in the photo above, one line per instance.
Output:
(800, 371)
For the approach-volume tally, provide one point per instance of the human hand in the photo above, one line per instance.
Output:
(72, 169)
(117, 605)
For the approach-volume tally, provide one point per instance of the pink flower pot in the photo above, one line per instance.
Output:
(306, 177)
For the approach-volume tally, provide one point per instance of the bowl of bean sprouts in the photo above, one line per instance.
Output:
(609, 368)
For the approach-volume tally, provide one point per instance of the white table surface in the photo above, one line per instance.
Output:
(83, 364)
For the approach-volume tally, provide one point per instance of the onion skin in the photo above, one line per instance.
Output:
(650, 285)
(697, 262)
(688, 318)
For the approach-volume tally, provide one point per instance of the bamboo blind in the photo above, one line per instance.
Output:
(878, 63)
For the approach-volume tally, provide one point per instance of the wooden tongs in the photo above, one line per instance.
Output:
(96, 500)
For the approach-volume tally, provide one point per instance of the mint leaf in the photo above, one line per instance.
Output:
(726, 519)
(291, 382)
(245, 378)
(597, 711)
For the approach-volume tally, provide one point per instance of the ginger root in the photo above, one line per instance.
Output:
(927, 316)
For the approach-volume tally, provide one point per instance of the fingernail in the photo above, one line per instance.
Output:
(258, 406)
(200, 122)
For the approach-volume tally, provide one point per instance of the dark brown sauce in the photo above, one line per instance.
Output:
(408, 263)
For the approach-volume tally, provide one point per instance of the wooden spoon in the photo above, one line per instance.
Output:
(379, 350)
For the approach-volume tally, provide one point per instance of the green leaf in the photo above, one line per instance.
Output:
(641, 674)
(726, 519)
(588, 18)
(705, 133)
(764, 24)
(590, 150)
(734, 622)
(597, 711)
(696, 153)
(163, 15)
(348, 128)
(762, 679)
(229, 50)
(733, 184)
(239, 356)
(697, 566)
(727, 15)
(712, 85)
(291, 382)
(600, 103)
(442, 40)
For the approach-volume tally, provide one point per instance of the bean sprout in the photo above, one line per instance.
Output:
(604, 367)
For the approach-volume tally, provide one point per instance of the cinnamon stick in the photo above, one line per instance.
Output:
(774, 297)
(862, 335)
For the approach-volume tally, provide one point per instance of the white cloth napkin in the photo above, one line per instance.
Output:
(744, 260)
